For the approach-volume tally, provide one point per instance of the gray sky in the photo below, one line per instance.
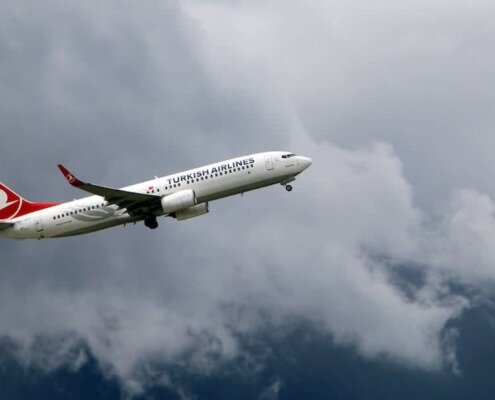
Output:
(392, 100)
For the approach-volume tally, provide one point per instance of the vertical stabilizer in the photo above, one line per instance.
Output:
(13, 205)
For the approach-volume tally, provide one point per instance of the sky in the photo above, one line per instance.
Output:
(373, 278)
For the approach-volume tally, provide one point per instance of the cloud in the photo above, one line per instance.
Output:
(462, 242)
(306, 255)
(124, 91)
(414, 74)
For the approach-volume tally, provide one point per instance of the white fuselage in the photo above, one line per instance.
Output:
(209, 182)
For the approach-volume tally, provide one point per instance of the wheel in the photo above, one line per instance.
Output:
(153, 225)
(288, 188)
(151, 222)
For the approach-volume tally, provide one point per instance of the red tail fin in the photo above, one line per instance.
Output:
(12, 205)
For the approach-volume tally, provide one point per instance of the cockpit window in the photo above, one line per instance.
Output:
(288, 155)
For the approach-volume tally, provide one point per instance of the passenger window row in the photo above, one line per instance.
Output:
(69, 213)
(217, 174)
(202, 178)
(175, 185)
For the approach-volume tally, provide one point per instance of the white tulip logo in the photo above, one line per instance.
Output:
(4, 203)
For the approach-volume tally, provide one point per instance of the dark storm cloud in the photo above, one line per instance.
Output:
(124, 91)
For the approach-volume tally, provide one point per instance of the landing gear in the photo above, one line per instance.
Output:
(285, 183)
(151, 222)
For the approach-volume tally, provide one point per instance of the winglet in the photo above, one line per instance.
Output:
(69, 176)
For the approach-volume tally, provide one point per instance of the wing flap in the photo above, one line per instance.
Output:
(134, 202)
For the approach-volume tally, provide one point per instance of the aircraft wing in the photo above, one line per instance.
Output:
(5, 224)
(135, 203)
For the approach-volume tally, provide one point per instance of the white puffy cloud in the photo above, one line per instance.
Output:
(461, 245)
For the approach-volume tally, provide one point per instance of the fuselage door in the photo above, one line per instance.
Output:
(38, 224)
(269, 163)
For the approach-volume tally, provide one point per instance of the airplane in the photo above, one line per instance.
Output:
(183, 195)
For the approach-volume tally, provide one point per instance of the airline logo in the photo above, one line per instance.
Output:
(10, 204)
(71, 178)
(216, 169)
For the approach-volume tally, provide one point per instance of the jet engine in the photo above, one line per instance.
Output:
(178, 201)
(191, 212)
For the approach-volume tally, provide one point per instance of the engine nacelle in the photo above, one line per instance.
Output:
(191, 212)
(178, 201)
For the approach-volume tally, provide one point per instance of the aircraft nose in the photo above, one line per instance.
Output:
(306, 162)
